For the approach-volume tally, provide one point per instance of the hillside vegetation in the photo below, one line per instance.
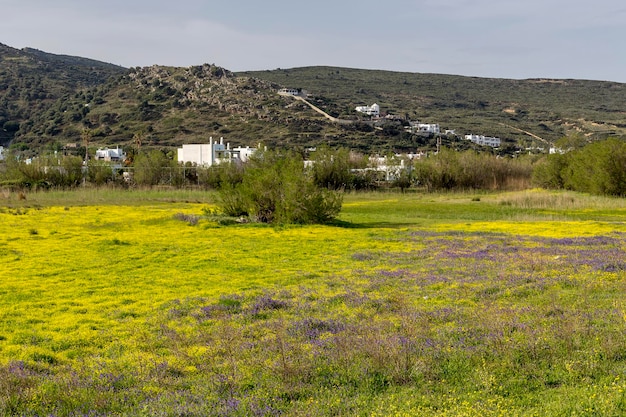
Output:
(31, 81)
(547, 108)
(47, 101)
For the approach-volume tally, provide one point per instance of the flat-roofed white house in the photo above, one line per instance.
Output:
(243, 154)
(373, 110)
(428, 128)
(212, 153)
(298, 92)
(110, 155)
(484, 140)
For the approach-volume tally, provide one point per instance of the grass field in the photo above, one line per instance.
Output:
(139, 303)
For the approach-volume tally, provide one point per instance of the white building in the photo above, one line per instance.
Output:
(431, 128)
(243, 154)
(212, 153)
(428, 128)
(1, 153)
(292, 92)
(373, 110)
(110, 155)
(484, 140)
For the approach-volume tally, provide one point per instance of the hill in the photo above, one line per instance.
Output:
(32, 80)
(547, 108)
(49, 100)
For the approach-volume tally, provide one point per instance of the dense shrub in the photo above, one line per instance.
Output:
(53, 171)
(275, 188)
(450, 170)
(153, 168)
(331, 169)
(549, 172)
(597, 168)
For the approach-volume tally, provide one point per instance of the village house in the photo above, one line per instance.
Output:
(1, 153)
(424, 128)
(373, 110)
(110, 155)
(298, 92)
(484, 140)
(212, 153)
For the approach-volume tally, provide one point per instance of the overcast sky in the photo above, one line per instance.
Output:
(519, 39)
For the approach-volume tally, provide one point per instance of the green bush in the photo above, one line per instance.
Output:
(99, 172)
(597, 168)
(331, 169)
(152, 168)
(275, 188)
(549, 172)
(451, 170)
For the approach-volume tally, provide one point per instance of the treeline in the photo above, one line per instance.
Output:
(595, 168)
(331, 169)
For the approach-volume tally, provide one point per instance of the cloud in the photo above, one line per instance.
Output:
(505, 38)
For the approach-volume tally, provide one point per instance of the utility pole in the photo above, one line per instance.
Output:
(86, 136)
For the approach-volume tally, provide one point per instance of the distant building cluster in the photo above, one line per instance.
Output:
(413, 127)
(430, 128)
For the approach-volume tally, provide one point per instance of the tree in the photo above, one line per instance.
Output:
(86, 136)
(598, 168)
(11, 126)
(151, 168)
(550, 171)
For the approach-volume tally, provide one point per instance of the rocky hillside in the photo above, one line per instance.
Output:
(167, 106)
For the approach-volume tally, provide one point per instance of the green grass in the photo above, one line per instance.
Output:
(411, 304)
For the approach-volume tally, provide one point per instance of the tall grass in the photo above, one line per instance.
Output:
(105, 195)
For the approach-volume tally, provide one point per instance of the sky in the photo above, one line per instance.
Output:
(516, 39)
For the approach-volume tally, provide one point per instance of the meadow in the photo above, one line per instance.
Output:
(146, 303)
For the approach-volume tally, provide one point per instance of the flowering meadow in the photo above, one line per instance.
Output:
(408, 305)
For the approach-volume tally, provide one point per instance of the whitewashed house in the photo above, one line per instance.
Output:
(298, 92)
(373, 110)
(110, 155)
(212, 153)
(484, 140)
(1, 153)
(243, 154)
(430, 128)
